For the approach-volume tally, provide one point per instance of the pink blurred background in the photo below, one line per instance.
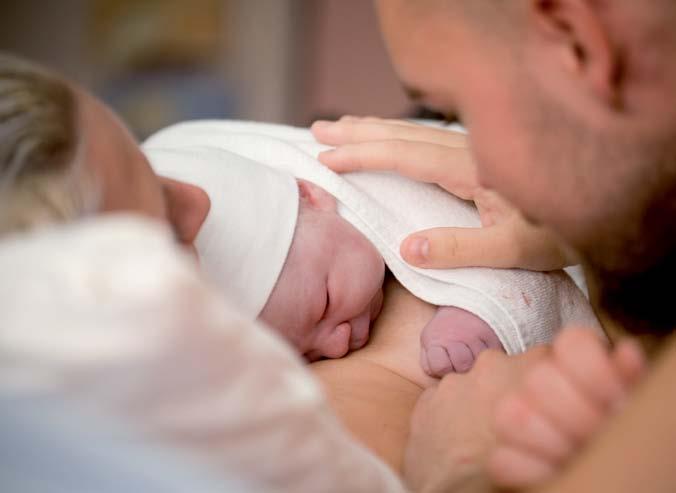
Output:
(161, 61)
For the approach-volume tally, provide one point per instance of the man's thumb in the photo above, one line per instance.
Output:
(444, 248)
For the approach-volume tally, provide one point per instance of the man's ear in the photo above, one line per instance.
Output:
(574, 29)
(316, 196)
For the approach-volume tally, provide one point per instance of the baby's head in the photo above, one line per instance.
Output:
(330, 288)
(279, 250)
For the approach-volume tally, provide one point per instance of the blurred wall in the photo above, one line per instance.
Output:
(278, 60)
(265, 36)
(48, 31)
(348, 70)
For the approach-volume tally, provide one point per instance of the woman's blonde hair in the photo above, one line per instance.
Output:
(42, 178)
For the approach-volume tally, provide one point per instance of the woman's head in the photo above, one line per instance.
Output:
(330, 288)
(64, 155)
(40, 177)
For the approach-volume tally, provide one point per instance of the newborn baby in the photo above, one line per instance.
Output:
(329, 292)
(305, 249)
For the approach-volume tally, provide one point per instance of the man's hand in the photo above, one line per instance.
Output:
(441, 156)
(451, 428)
(561, 404)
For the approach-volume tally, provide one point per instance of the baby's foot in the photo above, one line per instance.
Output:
(562, 402)
(452, 340)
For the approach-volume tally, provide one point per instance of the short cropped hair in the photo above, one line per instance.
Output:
(41, 177)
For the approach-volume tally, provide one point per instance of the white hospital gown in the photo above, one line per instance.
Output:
(110, 315)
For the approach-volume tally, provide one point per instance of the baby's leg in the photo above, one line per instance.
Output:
(563, 401)
(452, 340)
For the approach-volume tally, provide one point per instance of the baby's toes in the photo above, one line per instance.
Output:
(452, 356)
(461, 355)
(453, 339)
(438, 361)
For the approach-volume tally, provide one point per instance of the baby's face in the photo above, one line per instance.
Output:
(331, 286)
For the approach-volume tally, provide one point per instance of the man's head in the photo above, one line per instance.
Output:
(571, 107)
(330, 288)
(64, 155)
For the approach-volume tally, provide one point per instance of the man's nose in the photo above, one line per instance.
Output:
(188, 208)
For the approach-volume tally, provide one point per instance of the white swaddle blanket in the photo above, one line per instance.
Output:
(523, 308)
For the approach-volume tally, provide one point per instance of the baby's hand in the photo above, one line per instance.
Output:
(563, 401)
(452, 340)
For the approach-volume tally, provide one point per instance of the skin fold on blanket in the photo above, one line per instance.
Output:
(330, 290)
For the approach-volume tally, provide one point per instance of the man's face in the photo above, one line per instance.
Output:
(517, 140)
(126, 180)
(330, 289)
(603, 179)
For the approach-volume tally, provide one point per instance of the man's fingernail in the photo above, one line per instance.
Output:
(327, 157)
(419, 248)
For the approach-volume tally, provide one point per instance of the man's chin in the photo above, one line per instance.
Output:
(640, 300)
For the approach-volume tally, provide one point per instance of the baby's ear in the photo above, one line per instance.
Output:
(316, 196)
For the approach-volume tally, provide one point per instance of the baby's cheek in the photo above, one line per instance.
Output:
(378, 269)
(279, 316)
(294, 306)
(377, 305)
